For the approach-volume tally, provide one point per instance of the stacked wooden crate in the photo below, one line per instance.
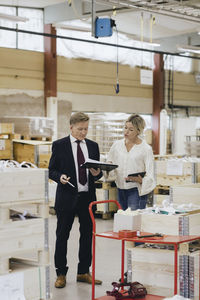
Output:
(154, 268)
(178, 224)
(174, 171)
(36, 152)
(6, 149)
(185, 194)
(153, 265)
(24, 230)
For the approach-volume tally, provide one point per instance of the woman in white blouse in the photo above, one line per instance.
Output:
(132, 154)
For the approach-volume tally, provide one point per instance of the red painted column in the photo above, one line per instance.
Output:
(158, 99)
(50, 65)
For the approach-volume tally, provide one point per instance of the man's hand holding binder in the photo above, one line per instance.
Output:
(95, 164)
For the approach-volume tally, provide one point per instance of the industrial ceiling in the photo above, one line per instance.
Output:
(171, 23)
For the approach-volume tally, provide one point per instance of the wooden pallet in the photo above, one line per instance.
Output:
(31, 137)
(161, 190)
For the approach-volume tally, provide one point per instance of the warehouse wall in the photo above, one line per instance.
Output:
(88, 85)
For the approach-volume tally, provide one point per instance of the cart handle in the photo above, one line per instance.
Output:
(93, 239)
(91, 212)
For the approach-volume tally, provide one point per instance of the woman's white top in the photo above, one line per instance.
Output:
(138, 159)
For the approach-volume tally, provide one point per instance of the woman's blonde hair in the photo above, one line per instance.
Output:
(138, 122)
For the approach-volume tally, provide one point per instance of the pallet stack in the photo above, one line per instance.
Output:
(31, 126)
(24, 251)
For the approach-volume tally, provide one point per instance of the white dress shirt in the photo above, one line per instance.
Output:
(81, 188)
(138, 159)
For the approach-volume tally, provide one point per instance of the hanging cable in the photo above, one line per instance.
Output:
(142, 35)
(117, 85)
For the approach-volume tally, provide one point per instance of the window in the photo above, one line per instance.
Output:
(12, 39)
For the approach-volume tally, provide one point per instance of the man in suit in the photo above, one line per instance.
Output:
(75, 191)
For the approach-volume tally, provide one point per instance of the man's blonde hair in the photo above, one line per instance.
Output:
(138, 122)
(78, 117)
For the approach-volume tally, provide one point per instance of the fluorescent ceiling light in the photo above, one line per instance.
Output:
(13, 18)
(153, 44)
(72, 27)
(188, 48)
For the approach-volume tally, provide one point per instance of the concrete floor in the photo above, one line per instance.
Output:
(108, 263)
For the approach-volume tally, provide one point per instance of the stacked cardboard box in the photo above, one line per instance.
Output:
(31, 126)
(6, 149)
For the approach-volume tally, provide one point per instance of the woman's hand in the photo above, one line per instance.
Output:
(94, 172)
(134, 179)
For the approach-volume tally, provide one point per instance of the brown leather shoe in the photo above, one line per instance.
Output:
(60, 281)
(87, 278)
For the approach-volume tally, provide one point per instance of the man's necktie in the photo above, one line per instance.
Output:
(80, 159)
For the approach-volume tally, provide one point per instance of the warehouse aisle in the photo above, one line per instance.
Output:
(108, 263)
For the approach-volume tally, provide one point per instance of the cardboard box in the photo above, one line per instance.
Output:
(6, 148)
(7, 128)
(126, 222)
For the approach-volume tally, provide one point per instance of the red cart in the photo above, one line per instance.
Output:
(166, 239)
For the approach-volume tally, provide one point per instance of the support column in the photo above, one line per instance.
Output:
(50, 65)
(158, 99)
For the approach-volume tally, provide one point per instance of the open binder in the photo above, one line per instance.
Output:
(91, 163)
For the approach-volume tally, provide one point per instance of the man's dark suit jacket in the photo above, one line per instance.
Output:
(62, 162)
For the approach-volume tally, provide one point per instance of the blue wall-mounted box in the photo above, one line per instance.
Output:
(103, 27)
